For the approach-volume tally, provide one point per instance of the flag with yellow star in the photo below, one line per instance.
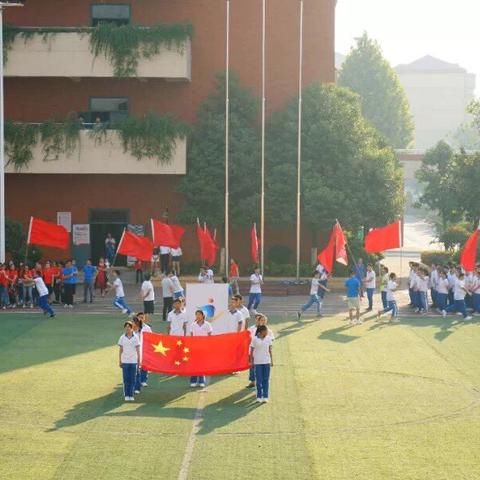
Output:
(190, 356)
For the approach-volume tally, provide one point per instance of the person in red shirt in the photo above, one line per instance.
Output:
(57, 281)
(234, 275)
(49, 278)
(28, 284)
(4, 299)
(12, 276)
(138, 267)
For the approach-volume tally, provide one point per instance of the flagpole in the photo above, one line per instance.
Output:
(28, 240)
(262, 196)
(227, 113)
(299, 142)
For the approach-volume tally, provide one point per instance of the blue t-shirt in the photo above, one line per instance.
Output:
(68, 271)
(360, 271)
(353, 287)
(89, 272)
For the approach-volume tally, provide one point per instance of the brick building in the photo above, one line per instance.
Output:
(50, 76)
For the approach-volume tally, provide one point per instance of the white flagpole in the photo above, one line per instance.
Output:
(262, 196)
(299, 152)
(227, 112)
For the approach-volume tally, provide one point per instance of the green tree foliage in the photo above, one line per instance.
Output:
(455, 236)
(347, 172)
(450, 184)
(204, 184)
(16, 242)
(384, 102)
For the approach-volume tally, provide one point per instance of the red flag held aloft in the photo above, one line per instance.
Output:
(326, 256)
(468, 257)
(47, 234)
(254, 244)
(208, 245)
(385, 238)
(135, 246)
(190, 356)
(340, 245)
(166, 235)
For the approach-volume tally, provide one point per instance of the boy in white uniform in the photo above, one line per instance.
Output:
(147, 292)
(199, 328)
(206, 275)
(392, 286)
(42, 295)
(314, 297)
(238, 303)
(177, 320)
(370, 284)
(256, 282)
(236, 320)
(119, 300)
(177, 286)
(459, 292)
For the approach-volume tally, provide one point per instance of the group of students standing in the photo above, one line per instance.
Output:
(261, 360)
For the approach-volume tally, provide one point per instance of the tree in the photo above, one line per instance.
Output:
(16, 243)
(204, 184)
(384, 102)
(347, 171)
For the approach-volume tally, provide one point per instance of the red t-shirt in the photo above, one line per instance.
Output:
(48, 274)
(3, 278)
(12, 276)
(138, 265)
(234, 270)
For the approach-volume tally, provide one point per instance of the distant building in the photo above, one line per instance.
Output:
(439, 93)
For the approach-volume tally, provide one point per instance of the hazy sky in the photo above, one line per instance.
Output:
(410, 29)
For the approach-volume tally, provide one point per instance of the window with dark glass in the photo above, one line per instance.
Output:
(110, 13)
(108, 109)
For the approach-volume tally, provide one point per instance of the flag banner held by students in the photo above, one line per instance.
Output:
(468, 257)
(166, 235)
(384, 238)
(254, 243)
(47, 234)
(340, 245)
(191, 356)
(135, 246)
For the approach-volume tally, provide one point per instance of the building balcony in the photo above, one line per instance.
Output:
(69, 54)
(106, 157)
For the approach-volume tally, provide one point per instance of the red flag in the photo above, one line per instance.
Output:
(135, 246)
(166, 235)
(326, 256)
(254, 243)
(208, 245)
(47, 234)
(340, 245)
(385, 238)
(468, 257)
(190, 356)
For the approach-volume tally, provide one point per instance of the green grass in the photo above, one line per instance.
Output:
(370, 402)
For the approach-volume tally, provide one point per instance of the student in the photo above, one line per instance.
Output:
(176, 259)
(433, 283)
(314, 298)
(75, 278)
(392, 286)
(42, 295)
(238, 302)
(256, 282)
(48, 277)
(164, 259)
(261, 357)
(68, 284)
(147, 292)
(476, 291)
(119, 300)
(101, 278)
(459, 293)
(235, 319)
(260, 319)
(421, 286)
(89, 275)
(411, 282)
(442, 287)
(360, 274)
(234, 274)
(28, 285)
(177, 286)
(142, 375)
(129, 358)
(167, 293)
(370, 284)
(12, 276)
(4, 298)
(383, 285)
(138, 267)
(206, 275)
(353, 286)
(199, 328)
(177, 320)
(452, 278)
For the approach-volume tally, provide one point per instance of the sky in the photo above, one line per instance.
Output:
(410, 29)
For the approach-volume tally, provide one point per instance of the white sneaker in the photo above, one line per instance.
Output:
(31, 305)
(201, 385)
(70, 306)
(137, 391)
(131, 399)
(259, 400)
(468, 318)
(127, 399)
(124, 310)
(144, 384)
(265, 400)
(193, 385)
(444, 313)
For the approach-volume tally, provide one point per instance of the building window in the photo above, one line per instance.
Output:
(118, 14)
(108, 109)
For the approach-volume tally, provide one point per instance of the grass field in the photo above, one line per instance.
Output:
(369, 402)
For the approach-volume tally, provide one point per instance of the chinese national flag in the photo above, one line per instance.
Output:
(166, 235)
(468, 257)
(191, 356)
(254, 243)
(340, 245)
(47, 234)
(385, 238)
(135, 246)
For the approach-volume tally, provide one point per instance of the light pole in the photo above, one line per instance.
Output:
(5, 3)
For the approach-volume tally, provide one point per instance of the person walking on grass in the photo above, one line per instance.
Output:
(353, 286)
(199, 328)
(262, 359)
(129, 358)
(384, 277)
(119, 300)
(370, 284)
(89, 275)
(392, 286)
(42, 295)
(314, 297)
(255, 296)
(260, 319)
(460, 291)
(360, 273)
